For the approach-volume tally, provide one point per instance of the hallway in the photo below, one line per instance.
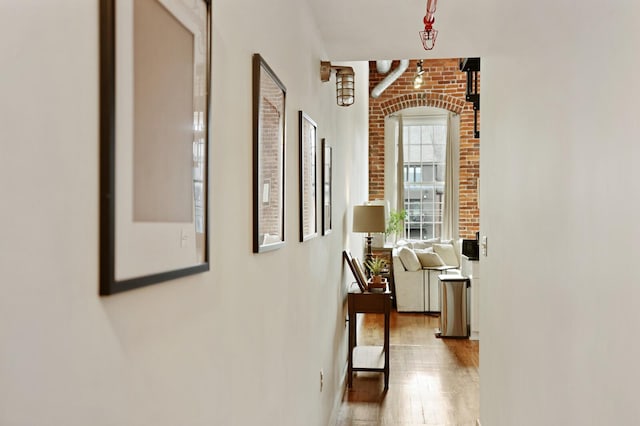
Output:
(432, 381)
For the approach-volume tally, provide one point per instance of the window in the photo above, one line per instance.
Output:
(425, 141)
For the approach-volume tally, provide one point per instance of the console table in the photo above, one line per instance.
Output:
(368, 358)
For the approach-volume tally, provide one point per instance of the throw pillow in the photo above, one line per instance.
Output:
(425, 244)
(429, 259)
(421, 245)
(447, 253)
(402, 243)
(409, 259)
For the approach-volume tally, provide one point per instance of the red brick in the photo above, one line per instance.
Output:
(445, 88)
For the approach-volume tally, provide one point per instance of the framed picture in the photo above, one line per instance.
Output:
(327, 180)
(268, 157)
(356, 270)
(308, 187)
(154, 95)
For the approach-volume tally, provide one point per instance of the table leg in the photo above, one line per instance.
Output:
(387, 318)
(352, 343)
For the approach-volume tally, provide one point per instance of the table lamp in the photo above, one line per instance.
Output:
(368, 219)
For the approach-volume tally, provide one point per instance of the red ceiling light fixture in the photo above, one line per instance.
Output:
(428, 36)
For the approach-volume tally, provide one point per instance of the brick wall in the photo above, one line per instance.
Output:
(444, 87)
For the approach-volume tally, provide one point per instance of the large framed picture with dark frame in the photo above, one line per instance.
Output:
(269, 95)
(154, 97)
(308, 177)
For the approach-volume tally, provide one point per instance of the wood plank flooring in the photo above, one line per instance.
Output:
(432, 381)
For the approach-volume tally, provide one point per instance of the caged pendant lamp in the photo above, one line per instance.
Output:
(345, 82)
(428, 35)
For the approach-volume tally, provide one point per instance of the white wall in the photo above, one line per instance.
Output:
(560, 307)
(240, 345)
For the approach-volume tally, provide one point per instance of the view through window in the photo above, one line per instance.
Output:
(424, 152)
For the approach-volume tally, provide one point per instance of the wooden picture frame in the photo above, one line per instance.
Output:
(357, 274)
(327, 187)
(308, 177)
(269, 96)
(153, 141)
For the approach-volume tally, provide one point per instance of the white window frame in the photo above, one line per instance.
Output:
(429, 213)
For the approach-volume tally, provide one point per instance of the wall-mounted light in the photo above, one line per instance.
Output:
(418, 80)
(345, 82)
(428, 36)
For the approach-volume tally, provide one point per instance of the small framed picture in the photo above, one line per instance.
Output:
(268, 157)
(327, 180)
(356, 270)
(308, 186)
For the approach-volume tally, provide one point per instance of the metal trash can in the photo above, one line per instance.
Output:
(454, 306)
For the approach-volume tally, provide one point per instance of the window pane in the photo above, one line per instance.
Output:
(439, 172)
(439, 153)
(424, 170)
(428, 172)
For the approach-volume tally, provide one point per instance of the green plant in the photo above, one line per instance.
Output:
(394, 224)
(376, 265)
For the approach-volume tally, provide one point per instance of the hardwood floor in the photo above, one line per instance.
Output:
(432, 381)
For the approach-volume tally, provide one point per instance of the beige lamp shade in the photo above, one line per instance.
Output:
(368, 219)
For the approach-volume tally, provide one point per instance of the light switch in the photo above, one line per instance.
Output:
(483, 244)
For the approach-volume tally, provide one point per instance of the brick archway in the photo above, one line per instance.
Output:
(444, 87)
(422, 99)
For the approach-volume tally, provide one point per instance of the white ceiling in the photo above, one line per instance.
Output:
(388, 29)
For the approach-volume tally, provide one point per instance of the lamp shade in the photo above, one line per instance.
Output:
(368, 219)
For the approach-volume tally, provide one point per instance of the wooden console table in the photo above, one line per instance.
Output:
(368, 358)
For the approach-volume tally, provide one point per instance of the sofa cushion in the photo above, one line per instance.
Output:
(420, 244)
(429, 259)
(409, 259)
(402, 243)
(448, 254)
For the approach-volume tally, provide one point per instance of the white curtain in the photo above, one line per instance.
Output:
(394, 169)
(392, 131)
(450, 223)
(400, 167)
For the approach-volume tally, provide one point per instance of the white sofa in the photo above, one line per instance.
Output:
(416, 284)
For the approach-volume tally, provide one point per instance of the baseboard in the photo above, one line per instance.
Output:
(337, 403)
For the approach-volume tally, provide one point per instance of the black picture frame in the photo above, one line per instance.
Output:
(269, 118)
(308, 138)
(143, 239)
(327, 187)
(355, 270)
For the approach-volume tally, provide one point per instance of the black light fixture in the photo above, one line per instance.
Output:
(418, 80)
(472, 66)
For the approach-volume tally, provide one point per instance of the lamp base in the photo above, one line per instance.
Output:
(369, 254)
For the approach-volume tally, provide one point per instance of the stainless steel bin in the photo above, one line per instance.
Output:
(454, 305)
